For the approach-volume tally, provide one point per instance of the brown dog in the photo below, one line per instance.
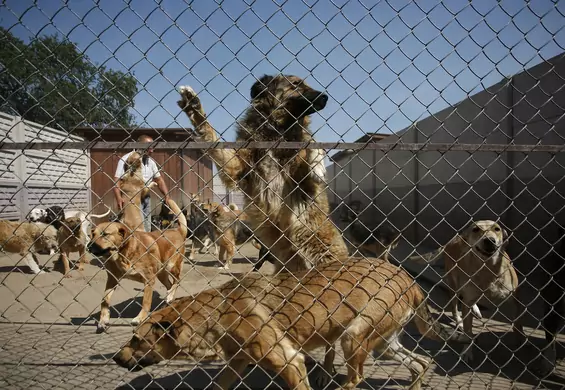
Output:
(270, 322)
(139, 256)
(285, 190)
(230, 227)
(25, 238)
(477, 266)
(71, 238)
(133, 189)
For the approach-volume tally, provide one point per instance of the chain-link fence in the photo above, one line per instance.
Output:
(222, 178)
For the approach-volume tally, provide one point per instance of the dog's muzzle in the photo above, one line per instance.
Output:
(126, 360)
(488, 246)
(318, 99)
(97, 250)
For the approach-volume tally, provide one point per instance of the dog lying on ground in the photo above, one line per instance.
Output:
(139, 256)
(285, 190)
(70, 238)
(271, 321)
(477, 265)
(25, 238)
(230, 229)
(133, 189)
(552, 292)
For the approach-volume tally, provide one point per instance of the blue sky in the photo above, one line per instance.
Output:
(385, 64)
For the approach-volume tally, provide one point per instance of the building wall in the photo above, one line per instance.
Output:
(431, 195)
(184, 171)
(40, 178)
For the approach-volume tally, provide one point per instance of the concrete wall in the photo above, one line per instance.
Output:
(431, 195)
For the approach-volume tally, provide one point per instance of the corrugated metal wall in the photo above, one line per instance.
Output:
(40, 177)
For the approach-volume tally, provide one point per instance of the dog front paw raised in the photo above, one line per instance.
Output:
(189, 101)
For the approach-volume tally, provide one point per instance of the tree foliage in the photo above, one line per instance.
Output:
(49, 81)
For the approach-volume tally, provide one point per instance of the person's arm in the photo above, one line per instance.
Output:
(117, 178)
(158, 178)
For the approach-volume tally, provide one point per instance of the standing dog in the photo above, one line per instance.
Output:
(477, 265)
(200, 227)
(552, 292)
(230, 229)
(71, 239)
(285, 190)
(271, 322)
(55, 215)
(25, 238)
(133, 188)
(139, 256)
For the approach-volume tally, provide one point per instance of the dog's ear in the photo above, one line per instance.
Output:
(505, 240)
(122, 231)
(260, 86)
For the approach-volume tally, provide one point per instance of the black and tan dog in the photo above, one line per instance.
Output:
(477, 266)
(139, 256)
(285, 190)
(201, 231)
(271, 322)
(377, 242)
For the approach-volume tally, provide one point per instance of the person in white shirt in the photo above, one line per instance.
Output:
(151, 173)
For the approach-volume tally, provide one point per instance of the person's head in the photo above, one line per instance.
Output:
(146, 139)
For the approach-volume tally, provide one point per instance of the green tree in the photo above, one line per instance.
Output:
(51, 82)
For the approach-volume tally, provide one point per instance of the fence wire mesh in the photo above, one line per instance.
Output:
(282, 194)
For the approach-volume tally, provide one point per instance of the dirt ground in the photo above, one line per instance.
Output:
(48, 338)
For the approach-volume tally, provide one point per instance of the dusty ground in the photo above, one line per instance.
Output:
(48, 339)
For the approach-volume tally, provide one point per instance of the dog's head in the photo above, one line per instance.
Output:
(46, 240)
(165, 335)
(133, 163)
(72, 225)
(37, 215)
(486, 237)
(289, 93)
(107, 239)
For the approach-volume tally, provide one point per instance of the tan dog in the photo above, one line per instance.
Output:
(133, 188)
(25, 238)
(477, 266)
(271, 322)
(139, 256)
(230, 227)
(285, 189)
(71, 239)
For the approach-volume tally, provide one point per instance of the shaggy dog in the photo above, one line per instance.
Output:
(285, 189)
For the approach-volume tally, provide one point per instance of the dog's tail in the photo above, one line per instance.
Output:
(233, 207)
(183, 226)
(429, 327)
(428, 258)
(100, 215)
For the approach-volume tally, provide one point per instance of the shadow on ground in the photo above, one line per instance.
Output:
(253, 378)
(127, 309)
